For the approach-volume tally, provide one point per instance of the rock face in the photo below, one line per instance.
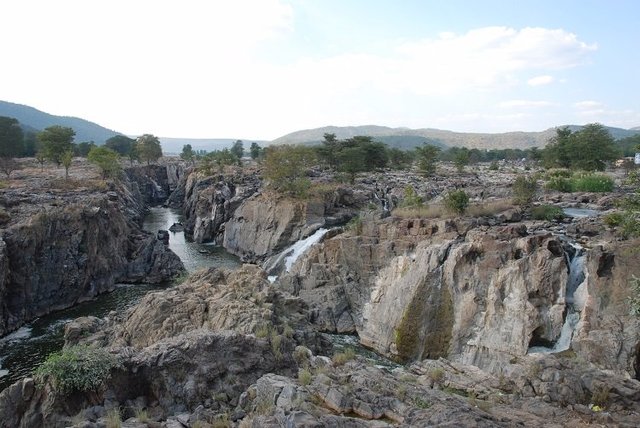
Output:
(70, 248)
(209, 201)
(267, 224)
(415, 289)
(154, 182)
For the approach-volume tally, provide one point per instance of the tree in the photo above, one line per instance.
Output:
(120, 144)
(148, 148)
(524, 190)
(592, 147)
(8, 165)
(400, 159)
(187, 153)
(83, 149)
(558, 149)
(56, 140)
(256, 151)
(41, 159)
(286, 167)
(31, 145)
(11, 138)
(352, 160)
(456, 201)
(67, 160)
(105, 159)
(237, 149)
(427, 158)
(220, 158)
(461, 159)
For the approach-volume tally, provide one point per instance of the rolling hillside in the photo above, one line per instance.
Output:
(409, 138)
(38, 120)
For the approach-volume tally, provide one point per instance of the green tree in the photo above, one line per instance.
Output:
(56, 140)
(286, 167)
(31, 145)
(105, 159)
(83, 149)
(11, 138)
(352, 160)
(557, 153)
(41, 158)
(238, 149)
(120, 144)
(592, 147)
(461, 159)
(67, 160)
(427, 157)
(148, 148)
(219, 158)
(256, 151)
(187, 153)
(400, 159)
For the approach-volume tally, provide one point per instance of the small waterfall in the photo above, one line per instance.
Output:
(291, 254)
(577, 278)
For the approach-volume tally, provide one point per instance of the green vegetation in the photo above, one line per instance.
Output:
(238, 150)
(304, 377)
(524, 190)
(187, 154)
(67, 160)
(286, 168)
(589, 148)
(56, 141)
(461, 159)
(456, 201)
(411, 198)
(341, 358)
(256, 151)
(580, 182)
(547, 212)
(148, 148)
(218, 158)
(11, 138)
(124, 146)
(427, 156)
(105, 159)
(77, 368)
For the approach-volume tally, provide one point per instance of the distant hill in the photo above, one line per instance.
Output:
(34, 119)
(637, 128)
(174, 145)
(409, 138)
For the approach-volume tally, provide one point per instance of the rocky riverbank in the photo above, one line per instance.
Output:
(65, 241)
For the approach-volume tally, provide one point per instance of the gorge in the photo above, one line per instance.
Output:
(492, 319)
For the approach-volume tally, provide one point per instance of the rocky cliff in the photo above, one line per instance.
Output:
(67, 244)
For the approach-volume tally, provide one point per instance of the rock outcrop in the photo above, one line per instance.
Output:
(153, 182)
(66, 247)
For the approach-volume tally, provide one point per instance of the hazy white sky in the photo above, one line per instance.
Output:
(258, 69)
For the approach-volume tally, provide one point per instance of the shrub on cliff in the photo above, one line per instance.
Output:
(456, 201)
(286, 168)
(77, 368)
(105, 159)
(524, 189)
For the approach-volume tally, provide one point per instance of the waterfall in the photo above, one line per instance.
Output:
(575, 282)
(291, 254)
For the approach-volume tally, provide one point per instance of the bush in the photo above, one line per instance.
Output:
(494, 166)
(547, 212)
(305, 377)
(411, 198)
(524, 189)
(456, 201)
(77, 368)
(561, 184)
(559, 173)
(592, 183)
(342, 358)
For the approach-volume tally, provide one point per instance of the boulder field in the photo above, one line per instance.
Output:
(485, 320)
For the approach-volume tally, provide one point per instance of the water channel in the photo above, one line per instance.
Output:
(22, 350)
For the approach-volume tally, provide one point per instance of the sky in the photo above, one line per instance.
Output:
(259, 69)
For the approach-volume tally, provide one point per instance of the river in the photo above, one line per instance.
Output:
(22, 350)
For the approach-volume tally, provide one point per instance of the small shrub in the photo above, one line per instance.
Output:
(276, 345)
(456, 201)
(565, 173)
(344, 357)
(561, 184)
(436, 375)
(411, 198)
(142, 416)
(592, 183)
(601, 396)
(524, 189)
(355, 225)
(305, 377)
(494, 166)
(114, 420)
(77, 368)
(263, 331)
(613, 219)
(421, 403)
(547, 212)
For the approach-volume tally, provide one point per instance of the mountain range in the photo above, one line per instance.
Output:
(405, 138)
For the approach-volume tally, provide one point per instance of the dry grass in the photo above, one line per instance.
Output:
(481, 209)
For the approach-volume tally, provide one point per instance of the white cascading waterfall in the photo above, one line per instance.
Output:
(291, 254)
(574, 302)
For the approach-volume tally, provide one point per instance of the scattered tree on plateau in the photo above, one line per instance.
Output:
(427, 158)
(589, 148)
(148, 148)
(11, 138)
(187, 153)
(56, 141)
(286, 168)
(105, 159)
